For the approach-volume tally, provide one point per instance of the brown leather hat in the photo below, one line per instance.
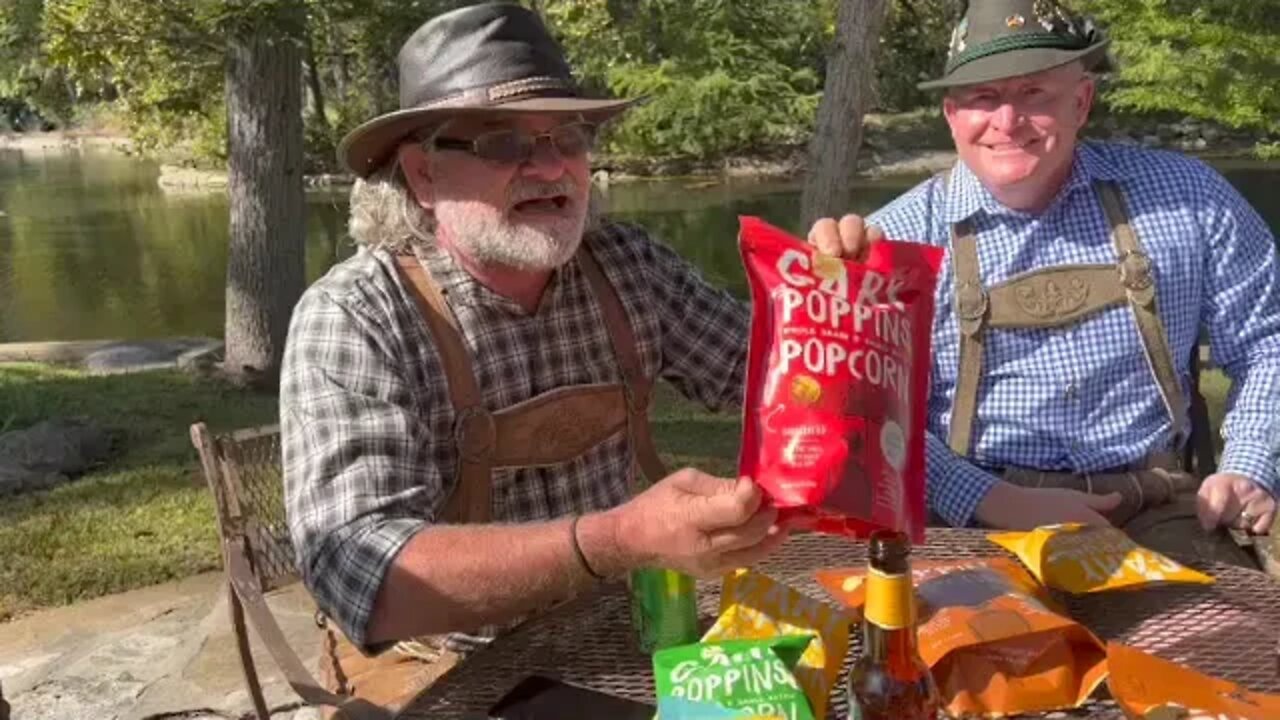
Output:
(477, 60)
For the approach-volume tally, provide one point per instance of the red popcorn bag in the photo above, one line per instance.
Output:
(837, 381)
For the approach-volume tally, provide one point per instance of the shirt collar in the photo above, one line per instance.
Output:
(966, 195)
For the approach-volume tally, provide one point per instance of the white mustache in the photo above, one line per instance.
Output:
(536, 190)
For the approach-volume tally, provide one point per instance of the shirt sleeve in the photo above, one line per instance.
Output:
(358, 482)
(704, 332)
(1242, 313)
(953, 486)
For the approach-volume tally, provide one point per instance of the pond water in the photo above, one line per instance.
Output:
(91, 248)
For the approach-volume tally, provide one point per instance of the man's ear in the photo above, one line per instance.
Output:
(417, 173)
(1086, 92)
(949, 110)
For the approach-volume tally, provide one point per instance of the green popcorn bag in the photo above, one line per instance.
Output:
(736, 679)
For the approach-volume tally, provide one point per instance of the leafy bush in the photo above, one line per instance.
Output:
(709, 115)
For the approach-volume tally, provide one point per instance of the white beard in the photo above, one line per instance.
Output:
(484, 234)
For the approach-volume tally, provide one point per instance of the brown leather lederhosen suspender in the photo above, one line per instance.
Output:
(1056, 297)
(551, 428)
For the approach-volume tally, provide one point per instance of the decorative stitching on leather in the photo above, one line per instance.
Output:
(1049, 301)
(501, 91)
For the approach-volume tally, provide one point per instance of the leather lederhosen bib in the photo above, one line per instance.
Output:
(1158, 507)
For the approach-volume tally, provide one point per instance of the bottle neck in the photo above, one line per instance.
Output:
(889, 625)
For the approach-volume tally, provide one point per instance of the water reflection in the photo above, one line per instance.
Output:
(90, 247)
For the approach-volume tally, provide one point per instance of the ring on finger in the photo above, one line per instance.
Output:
(1247, 518)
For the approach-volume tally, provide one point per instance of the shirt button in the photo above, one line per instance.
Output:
(1071, 391)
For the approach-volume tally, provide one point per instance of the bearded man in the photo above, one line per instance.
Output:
(1077, 280)
(464, 401)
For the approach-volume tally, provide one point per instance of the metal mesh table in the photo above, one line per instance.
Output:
(1228, 630)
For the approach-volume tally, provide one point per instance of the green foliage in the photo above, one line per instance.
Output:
(161, 59)
(28, 85)
(1216, 60)
(718, 76)
(913, 47)
(1267, 150)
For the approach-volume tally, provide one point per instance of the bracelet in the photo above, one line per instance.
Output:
(577, 549)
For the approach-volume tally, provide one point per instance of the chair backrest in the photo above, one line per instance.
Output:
(243, 469)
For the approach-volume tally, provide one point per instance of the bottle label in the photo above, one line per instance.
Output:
(890, 600)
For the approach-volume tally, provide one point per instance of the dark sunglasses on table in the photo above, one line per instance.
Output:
(509, 147)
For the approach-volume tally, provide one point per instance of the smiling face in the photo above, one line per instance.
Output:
(1018, 135)
(526, 215)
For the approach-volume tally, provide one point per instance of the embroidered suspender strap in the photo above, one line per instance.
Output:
(971, 314)
(638, 387)
(473, 427)
(1135, 275)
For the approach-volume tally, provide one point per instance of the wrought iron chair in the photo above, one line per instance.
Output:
(243, 469)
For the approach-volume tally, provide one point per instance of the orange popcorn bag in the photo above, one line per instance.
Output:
(837, 378)
(1149, 688)
(754, 606)
(1084, 559)
(990, 639)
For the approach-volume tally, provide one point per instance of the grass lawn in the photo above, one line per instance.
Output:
(148, 517)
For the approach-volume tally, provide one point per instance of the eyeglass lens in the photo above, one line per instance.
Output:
(511, 146)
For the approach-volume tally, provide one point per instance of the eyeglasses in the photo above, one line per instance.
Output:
(509, 147)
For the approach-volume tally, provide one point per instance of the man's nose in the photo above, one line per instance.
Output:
(546, 162)
(1006, 117)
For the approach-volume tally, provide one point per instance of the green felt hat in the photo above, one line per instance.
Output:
(997, 39)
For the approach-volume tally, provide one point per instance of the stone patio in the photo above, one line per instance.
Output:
(160, 652)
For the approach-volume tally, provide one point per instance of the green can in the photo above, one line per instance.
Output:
(664, 608)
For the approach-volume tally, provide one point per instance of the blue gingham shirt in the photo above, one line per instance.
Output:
(1082, 398)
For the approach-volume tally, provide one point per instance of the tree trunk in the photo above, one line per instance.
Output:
(338, 62)
(833, 150)
(265, 259)
(317, 90)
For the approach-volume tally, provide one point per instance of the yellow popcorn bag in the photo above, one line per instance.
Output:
(1084, 559)
(753, 605)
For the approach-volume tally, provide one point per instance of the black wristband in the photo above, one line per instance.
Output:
(577, 549)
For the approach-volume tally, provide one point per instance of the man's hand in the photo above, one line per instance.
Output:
(698, 524)
(850, 238)
(1012, 507)
(1235, 501)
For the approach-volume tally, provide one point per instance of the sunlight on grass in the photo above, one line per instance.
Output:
(147, 517)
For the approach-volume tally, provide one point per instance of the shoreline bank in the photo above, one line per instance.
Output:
(911, 144)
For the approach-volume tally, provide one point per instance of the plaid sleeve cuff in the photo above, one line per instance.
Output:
(954, 485)
(346, 576)
(1254, 460)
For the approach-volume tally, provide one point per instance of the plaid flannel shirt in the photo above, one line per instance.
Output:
(367, 424)
(1082, 398)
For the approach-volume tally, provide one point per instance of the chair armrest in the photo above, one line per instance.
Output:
(245, 585)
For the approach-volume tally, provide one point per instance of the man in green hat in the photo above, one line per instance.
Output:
(1078, 278)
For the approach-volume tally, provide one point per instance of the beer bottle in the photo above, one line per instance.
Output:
(890, 681)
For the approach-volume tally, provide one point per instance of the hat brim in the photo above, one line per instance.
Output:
(369, 146)
(1015, 63)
